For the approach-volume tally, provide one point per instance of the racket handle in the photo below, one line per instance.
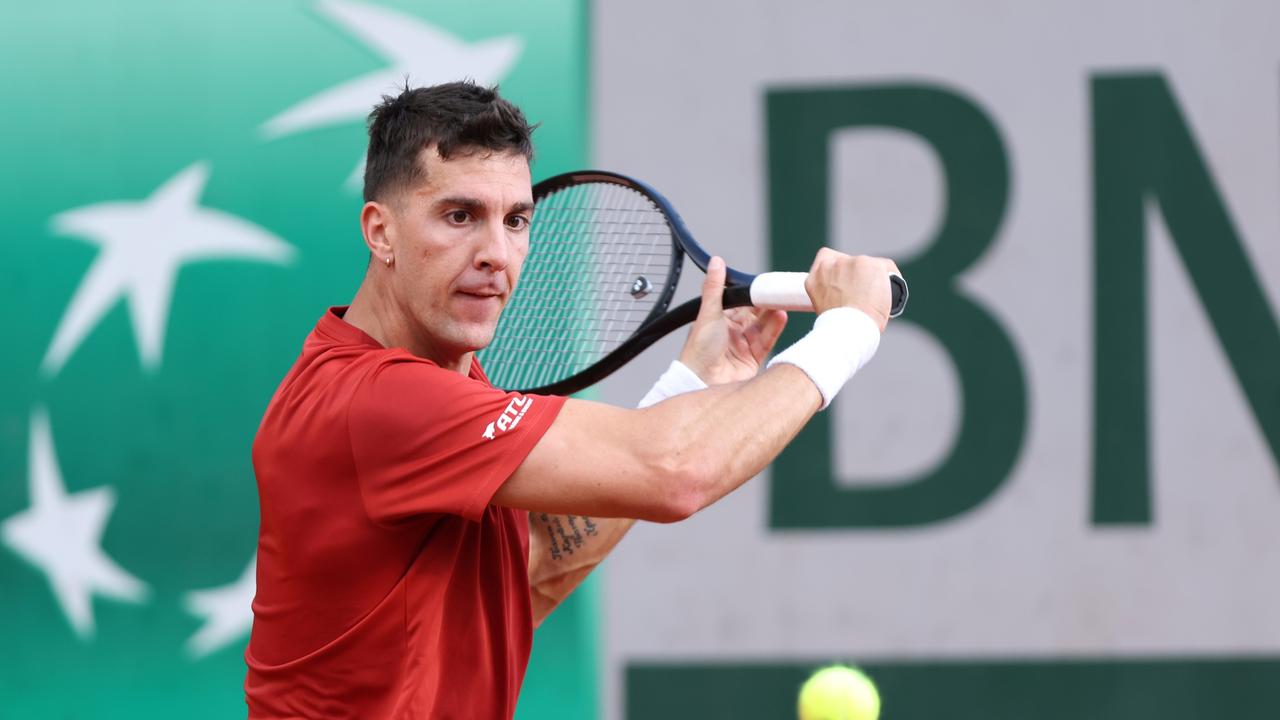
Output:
(785, 291)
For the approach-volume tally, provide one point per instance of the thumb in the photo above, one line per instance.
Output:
(712, 289)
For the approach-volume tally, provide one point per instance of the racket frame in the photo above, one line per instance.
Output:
(659, 322)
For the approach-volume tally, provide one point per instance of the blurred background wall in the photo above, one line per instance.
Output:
(181, 197)
(1054, 493)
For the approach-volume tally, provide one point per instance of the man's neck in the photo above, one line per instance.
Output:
(373, 312)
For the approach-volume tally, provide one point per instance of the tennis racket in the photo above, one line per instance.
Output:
(605, 254)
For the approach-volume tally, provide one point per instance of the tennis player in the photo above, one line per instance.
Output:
(417, 523)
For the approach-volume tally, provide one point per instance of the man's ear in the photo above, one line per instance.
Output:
(376, 226)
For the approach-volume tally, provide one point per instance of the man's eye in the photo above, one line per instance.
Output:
(517, 222)
(458, 217)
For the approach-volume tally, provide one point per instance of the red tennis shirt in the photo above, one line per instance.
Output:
(388, 585)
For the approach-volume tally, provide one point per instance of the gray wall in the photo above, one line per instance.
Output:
(1062, 556)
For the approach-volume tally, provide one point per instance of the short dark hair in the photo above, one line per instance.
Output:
(454, 117)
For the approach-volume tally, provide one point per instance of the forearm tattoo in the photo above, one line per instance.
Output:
(566, 533)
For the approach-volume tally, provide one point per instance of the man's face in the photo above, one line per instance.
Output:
(459, 240)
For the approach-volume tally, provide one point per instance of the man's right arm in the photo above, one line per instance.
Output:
(668, 461)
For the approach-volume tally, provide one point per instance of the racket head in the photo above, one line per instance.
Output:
(605, 255)
(680, 233)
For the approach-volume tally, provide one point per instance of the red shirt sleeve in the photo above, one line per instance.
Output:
(429, 440)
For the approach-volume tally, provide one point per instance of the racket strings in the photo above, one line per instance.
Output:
(590, 246)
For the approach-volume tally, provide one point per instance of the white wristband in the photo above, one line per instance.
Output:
(677, 380)
(842, 340)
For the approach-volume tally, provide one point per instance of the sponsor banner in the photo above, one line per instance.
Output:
(974, 690)
(182, 186)
(1068, 449)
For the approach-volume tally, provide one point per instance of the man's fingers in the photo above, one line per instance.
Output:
(712, 289)
(771, 326)
(758, 327)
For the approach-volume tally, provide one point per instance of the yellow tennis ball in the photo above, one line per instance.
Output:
(838, 693)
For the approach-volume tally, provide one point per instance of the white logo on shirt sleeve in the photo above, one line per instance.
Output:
(509, 418)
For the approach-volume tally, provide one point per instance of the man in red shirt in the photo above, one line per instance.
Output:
(406, 552)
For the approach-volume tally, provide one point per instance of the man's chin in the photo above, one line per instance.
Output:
(477, 339)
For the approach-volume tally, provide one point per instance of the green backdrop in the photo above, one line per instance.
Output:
(153, 377)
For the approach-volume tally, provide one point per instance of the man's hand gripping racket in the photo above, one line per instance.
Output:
(605, 255)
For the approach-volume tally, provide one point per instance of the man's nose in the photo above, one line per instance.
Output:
(494, 251)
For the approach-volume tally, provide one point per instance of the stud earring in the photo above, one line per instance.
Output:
(387, 259)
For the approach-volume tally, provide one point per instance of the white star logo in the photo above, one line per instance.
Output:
(61, 535)
(412, 47)
(227, 612)
(144, 244)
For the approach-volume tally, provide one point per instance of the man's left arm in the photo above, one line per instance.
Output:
(724, 346)
(563, 550)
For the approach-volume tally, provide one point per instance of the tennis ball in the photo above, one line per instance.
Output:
(838, 693)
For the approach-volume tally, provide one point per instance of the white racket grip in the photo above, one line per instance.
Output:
(781, 291)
